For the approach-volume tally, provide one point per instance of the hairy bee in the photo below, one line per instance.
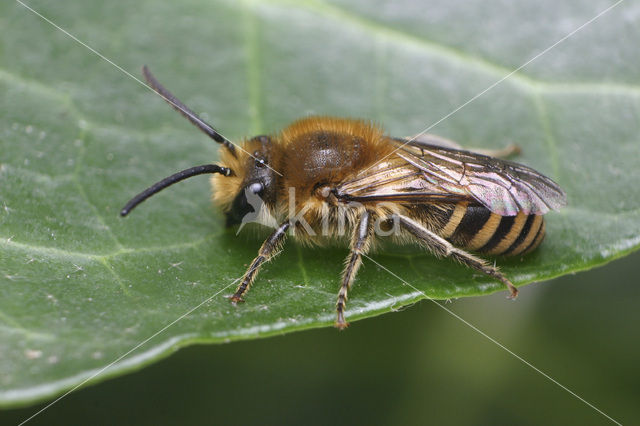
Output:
(324, 177)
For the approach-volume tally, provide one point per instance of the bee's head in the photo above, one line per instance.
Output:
(252, 184)
(244, 176)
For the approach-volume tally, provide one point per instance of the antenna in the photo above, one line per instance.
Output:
(168, 181)
(186, 112)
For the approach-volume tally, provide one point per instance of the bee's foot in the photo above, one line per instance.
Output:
(236, 299)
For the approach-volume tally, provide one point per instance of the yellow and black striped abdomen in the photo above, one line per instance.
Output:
(473, 227)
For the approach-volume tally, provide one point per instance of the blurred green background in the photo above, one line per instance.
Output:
(417, 366)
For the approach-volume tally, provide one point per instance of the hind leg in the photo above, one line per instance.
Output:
(439, 141)
(441, 247)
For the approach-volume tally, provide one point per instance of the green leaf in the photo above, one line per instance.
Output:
(81, 287)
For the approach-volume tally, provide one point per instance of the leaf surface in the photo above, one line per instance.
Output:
(80, 287)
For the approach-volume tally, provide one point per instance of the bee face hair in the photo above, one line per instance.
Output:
(254, 175)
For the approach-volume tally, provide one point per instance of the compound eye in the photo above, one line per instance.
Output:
(256, 188)
(260, 162)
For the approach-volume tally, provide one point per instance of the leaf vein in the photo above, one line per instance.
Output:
(543, 117)
(303, 270)
(83, 193)
(253, 73)
(115, 274)
(484, 65)
(63, 253)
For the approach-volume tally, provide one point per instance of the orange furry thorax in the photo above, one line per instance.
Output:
(306, 155)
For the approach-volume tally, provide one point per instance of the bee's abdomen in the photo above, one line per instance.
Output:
(475, 228)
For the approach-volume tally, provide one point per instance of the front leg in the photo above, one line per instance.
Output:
(360, 242)
(267, 251)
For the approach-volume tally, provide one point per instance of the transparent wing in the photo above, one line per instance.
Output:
(421, 172)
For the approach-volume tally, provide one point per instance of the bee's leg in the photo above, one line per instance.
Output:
(508, 151)
(441, 247)
(360, 242)
(266, 252)
(429, 139)
(439, 141)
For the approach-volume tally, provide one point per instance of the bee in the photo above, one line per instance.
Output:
(324, 177)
